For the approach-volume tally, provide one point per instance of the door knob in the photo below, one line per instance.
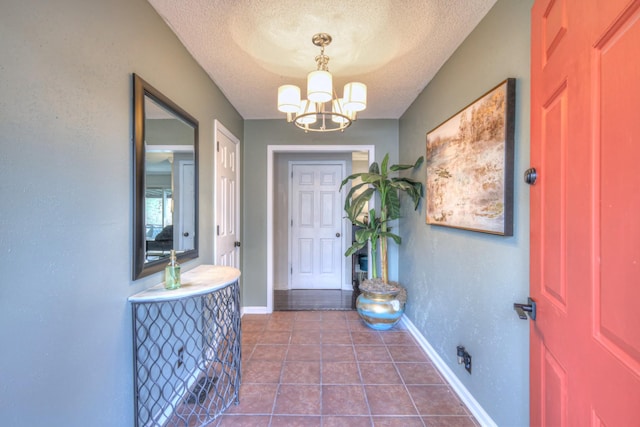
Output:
(236, 244)
(185, 234)
(530, 176)
(524, 309)
(337, 234)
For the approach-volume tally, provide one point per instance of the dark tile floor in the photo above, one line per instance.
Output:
(314, 299)
(325, 368)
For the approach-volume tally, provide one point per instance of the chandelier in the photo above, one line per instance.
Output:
(322, 111)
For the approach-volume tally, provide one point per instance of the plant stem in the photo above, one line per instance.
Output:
(383, 260)
(383, 239)
(374, 259)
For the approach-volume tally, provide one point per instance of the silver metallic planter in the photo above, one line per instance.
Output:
(381, 310)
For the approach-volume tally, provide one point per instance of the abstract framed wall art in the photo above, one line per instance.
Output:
(470, 165)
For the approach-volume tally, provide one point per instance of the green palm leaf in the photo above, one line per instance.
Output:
(377, 181)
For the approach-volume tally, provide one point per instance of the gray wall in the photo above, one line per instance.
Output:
(66, 191)
(462, 284)
(167, 132)
(258, 135)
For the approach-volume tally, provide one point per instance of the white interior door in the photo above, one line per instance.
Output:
(227, 200)
(316, 226)
(186, 206)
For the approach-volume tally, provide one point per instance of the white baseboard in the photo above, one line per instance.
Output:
(467, 398)
(253, 310)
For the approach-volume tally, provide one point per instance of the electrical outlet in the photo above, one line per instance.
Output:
(180, 361)
(464, 357)
(467, 362)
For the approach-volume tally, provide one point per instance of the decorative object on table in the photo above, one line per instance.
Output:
(470, 165)
(172, 273)
(381, 303)
(322, 111)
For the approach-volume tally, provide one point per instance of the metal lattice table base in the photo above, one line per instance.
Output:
(187, 358)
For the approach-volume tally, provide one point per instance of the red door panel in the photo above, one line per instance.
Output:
(585, 212)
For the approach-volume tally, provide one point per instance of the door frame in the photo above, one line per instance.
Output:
(343, 243)
(271, 152)
(217, 126)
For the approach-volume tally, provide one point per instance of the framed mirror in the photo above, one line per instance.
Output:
(165, 170)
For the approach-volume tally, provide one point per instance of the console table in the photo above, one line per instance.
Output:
(186, 348)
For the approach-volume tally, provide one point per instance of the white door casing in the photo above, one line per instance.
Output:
(272, 150)
(226, 232)
(317, 232)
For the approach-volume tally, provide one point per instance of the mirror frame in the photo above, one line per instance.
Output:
(142, 89)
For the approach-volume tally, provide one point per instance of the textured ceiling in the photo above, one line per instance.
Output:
(250, 47)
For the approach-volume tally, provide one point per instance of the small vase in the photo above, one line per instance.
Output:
(380, 310)
(172, 273)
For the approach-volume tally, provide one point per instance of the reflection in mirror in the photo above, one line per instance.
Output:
(165, 159)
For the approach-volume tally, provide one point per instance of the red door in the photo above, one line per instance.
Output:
(585, 213)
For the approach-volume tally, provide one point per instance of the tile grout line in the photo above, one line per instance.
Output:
(321, 381)
(275, 398)
(283, 362)
(395, 365)
(364, 390)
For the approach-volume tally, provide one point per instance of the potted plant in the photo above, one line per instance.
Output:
(381, 302)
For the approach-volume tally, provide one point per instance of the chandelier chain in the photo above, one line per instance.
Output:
(323, 61)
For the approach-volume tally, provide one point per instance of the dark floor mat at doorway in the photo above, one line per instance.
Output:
(313, 299)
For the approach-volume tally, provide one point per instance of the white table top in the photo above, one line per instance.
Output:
(201, 280)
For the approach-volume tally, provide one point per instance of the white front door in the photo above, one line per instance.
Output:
(227, 200)
(316, 226)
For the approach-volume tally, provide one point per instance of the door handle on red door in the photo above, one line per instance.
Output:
(524, 309)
